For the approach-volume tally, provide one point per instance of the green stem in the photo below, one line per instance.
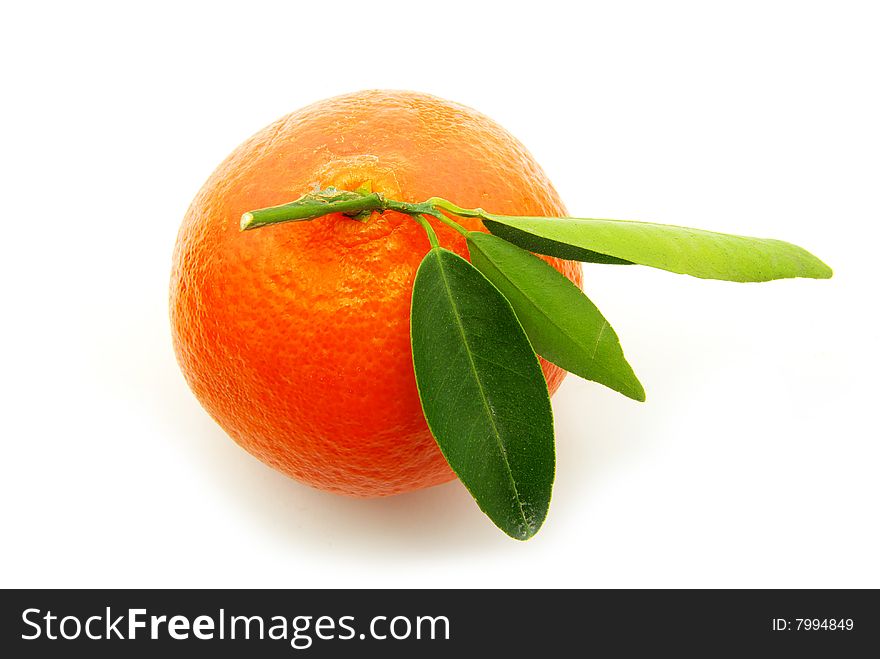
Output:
(432, 235)
(312, 206)
(438, 202)
(448, 221)
(357, 205)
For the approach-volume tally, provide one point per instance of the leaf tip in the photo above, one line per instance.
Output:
(825, 271)
(524, 532)
(629, 386)
(639, 393)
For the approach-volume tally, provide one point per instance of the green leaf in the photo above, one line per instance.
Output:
(540, 245)
(685, 251)
(483, 392)
(563, 325)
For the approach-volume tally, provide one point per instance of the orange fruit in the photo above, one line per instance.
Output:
(295, 337)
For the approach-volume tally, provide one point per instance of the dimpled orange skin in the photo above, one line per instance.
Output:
(295, 337)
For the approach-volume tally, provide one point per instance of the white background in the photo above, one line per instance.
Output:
(754, 461)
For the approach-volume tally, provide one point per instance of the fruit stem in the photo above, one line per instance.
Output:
(358, 204)
(311, 206)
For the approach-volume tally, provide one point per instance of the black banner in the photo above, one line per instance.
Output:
(319, 623)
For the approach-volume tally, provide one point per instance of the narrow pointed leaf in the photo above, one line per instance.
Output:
(482, 391)
(563, 325)
(694, 252)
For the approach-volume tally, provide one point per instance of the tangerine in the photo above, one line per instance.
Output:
(295, 338)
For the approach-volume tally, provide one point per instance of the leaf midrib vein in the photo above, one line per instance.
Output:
(483, 398)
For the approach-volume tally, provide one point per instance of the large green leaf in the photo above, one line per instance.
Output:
(482, 391)
(563, 325)
(686, 251)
